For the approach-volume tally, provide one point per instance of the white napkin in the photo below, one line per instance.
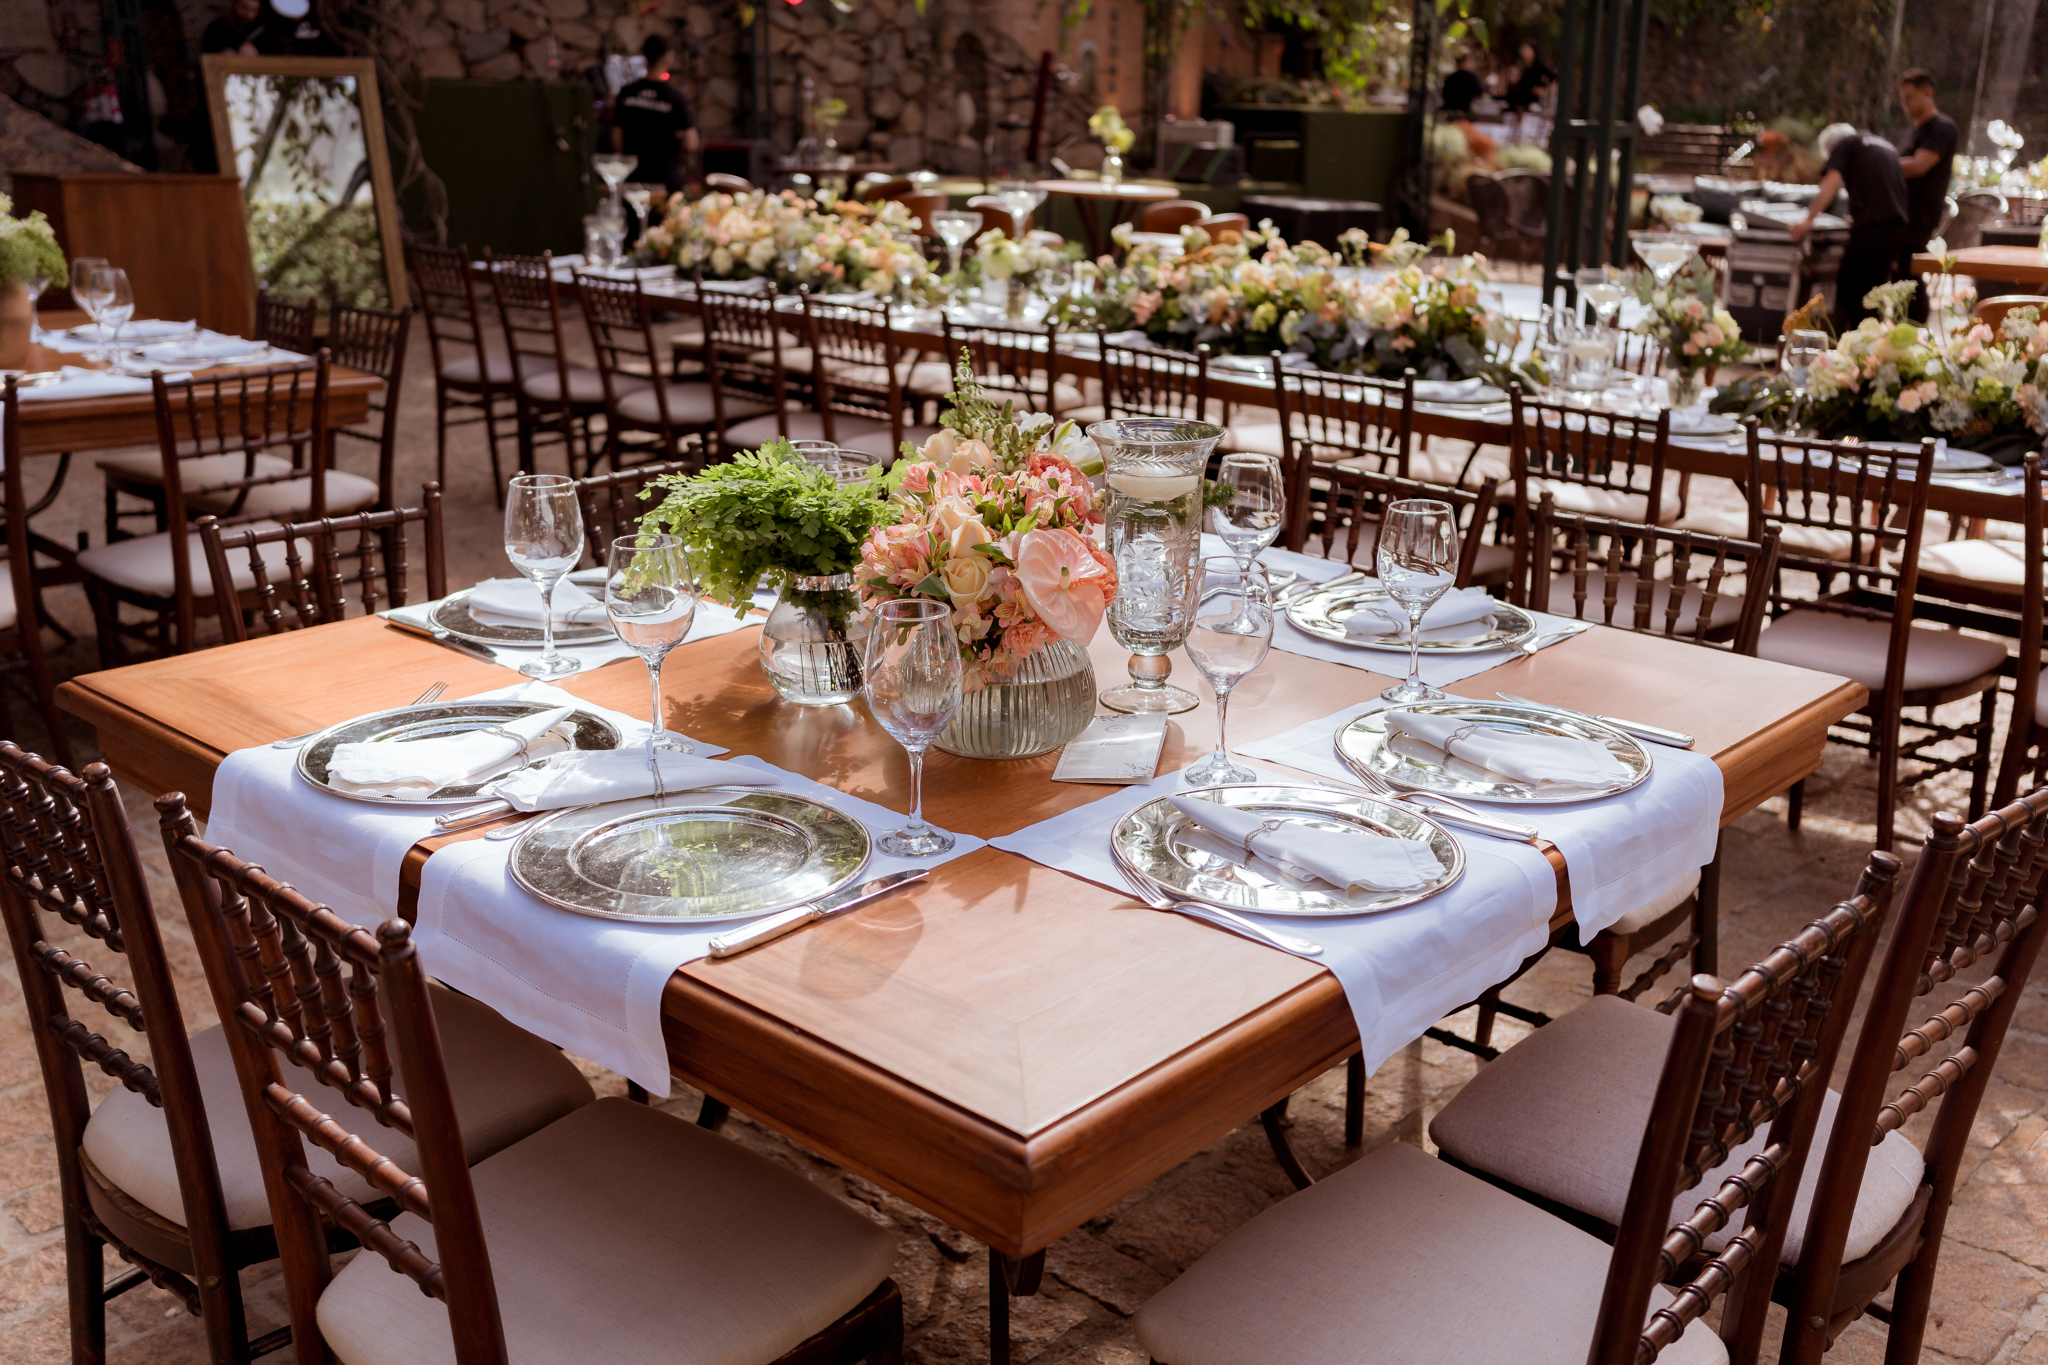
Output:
(205, 346)
(519, 599)
(1543, 759)
(1459, 607)
(78, 382)
(1346, 860)
(1443, 390)
(415, 769)
(138, 330)
(589, 777)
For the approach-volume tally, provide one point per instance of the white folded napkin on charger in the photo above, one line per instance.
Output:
(136, 330)
(204, 346)
(1459, 607)
(414, 769)
(1549, 760)
(589, 777)
(1347, 860)
(1445, 390)
(519, 599)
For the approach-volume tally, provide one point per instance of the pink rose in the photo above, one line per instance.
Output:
(1062, 580)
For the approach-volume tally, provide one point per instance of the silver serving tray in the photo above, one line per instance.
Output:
(434, 721)
(1411, 765)
(453, 615)
(1321, 612)
(1164, 845)
(704, 857)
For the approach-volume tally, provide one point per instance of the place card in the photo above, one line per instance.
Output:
(1114, 750)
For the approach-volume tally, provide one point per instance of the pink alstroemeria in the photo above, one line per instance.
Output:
(1062, 581)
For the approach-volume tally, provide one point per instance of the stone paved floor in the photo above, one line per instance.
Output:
(1991, 1302)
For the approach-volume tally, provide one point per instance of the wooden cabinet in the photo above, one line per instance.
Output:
(181, 238)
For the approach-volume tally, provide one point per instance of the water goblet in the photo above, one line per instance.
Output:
(1591, 351)
(1258, 504)
(1553, 343)
(85, 292)
(117, 305)
(1600, 286)
(1417, 561)
(956, 230)
(37, 285)
(544, 539)
(1153, 531)
(651, 597)
(1231, 634)
(912, 678)
(1801, 352)
(639, 195)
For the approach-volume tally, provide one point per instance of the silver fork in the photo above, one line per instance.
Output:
(1159, 898)
(1529, 647)
(294, 741)
(1448, 809)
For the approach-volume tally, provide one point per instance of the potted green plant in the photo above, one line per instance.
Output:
(30, 262)
(771, 519)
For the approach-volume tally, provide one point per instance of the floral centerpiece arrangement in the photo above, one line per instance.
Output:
(28, 251)
(1686, 318)
(977, 433)
(789, 239)
(1025, 265)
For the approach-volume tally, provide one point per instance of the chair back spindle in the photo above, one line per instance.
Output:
(1139, 382)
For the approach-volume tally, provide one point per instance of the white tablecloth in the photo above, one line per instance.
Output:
(343, 853)
(1619, 851)
(1402, 970)
(588, 985)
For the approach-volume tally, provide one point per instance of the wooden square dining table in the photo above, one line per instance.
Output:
(1010, 1048)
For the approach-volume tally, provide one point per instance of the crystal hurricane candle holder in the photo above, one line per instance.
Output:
(1154, 533)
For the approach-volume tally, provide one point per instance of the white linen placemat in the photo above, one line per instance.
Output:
(1619, 851)
(712, 620)
(343, 853)
(586, 984)
(79, 382)
(1402, 970)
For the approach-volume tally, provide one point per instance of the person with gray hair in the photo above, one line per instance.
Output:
(1880, 247)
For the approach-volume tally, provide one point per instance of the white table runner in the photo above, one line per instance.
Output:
(343, 853)
(1619, 851)
(589, 985)
(1402, 970)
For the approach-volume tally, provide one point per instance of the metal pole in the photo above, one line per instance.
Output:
(1626, 133)
(1421, 59)
(1562, 222)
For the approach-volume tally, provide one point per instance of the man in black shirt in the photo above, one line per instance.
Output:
(1531, 83)
(1879, 249)
(1461, 87)
(1926, 157)
(653, 122)
(243, 29)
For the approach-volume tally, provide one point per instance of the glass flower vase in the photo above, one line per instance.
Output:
(1684, 386)
(811, 643)
(1045, 703)
(1112, 171)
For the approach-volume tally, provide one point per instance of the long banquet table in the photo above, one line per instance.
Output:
(1008, 1047)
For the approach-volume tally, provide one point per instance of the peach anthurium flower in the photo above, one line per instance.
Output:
(1061, 581)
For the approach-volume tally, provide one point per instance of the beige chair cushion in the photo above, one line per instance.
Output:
(1726, 610)
(1602, 502)
(346, 492)
(1450, 468)
(1260, 439)
(506, 1084)
(143, 563)
(467, 370)
(689, 405)
(1998, 564)
(1658, 906)
(1561, 1114)
(1857, 649)
(804, 425)
(1398, 1259)
(1814, 542)
(585, 385)
(796, 360)
(624, 1236)
(879, 444)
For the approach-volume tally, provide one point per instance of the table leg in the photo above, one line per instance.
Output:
(1007, 1276)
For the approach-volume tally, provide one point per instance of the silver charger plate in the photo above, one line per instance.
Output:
(699, 856)
(1479, 397)
(1160, 843)
(1411, 765)
(452, 614)
(1321, 612)
(437, 720)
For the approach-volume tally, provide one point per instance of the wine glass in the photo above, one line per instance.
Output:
(1664, 252)
(117, 304)
(1153, 530)
(651, 598)
(1417, 560)
(37, 285)
(1232, 631)
(544, 539)
(955, 229)
(85, 292)
(1592, 354)
(912, 679)
(1801, 352)
(1553, 342)
(1600, 287)
(613, 168)
(1258, 504)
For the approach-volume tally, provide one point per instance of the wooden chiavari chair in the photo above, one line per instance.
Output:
(1603, 464)
(1140, 382)
(1171, 215)
(477, 379)
(1477, 1275)
(598, 1244)
(2026, 742)
(20, 605)
(322, 560)
(1348, 504)
(1851, 526)
(1017, 363)
(216, 437)
(288, 326)
(744, 364)
(612, 505)
(554, 399)
(639, 402)
(858, 379)
(372, 340)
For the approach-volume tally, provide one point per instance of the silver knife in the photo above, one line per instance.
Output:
(1654, 733)
(444, 639)
(782, 921)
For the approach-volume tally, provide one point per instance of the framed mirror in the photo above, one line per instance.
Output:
(305, 136)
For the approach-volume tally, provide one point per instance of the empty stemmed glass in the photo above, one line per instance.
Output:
(1251, 521)
(912, 678)
(1417, 560)
(544, 539)
(117, 305)
(85, 292)
(651, 597)
(1600, 287)
(37, 285)
(1801, 352)
(613, 168)
(1232, 631)
(1666, 253)
(955, 229)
